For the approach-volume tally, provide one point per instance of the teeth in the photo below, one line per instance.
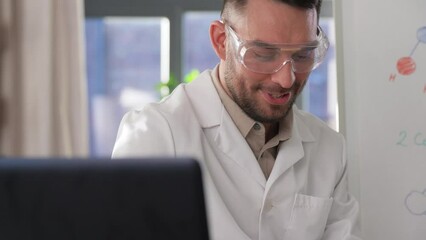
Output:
(277, 96)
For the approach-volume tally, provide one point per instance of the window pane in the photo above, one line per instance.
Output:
(124, 57)
(198, 53)
(320, 94)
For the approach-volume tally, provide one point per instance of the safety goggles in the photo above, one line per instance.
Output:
(268, 58)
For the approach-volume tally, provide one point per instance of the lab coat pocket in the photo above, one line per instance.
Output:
(308, 217)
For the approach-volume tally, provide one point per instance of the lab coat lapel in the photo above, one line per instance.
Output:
(233, 144)
(212, 115)
(292, 150)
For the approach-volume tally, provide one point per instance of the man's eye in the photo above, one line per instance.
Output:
(265, 54)
(303, 55)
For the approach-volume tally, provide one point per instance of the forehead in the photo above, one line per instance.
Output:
(275, 22)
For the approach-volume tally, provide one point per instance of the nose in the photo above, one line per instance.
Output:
(285, 77)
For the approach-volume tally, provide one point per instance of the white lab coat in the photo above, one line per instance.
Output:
(305, 197)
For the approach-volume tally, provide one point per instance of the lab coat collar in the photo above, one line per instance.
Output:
(211, 113)
(210, 110)
(205, 100)
(292, 150)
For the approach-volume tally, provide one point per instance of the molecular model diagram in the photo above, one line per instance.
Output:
(406, 65)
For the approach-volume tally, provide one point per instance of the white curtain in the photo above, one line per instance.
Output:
(43, 101)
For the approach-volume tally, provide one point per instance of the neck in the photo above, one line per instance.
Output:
(271, 129)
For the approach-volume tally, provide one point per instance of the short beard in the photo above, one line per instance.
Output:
(246, 104)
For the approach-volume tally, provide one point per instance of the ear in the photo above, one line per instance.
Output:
(218, 38)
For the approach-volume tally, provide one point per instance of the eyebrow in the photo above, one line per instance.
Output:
(296, 47)
(301, 46)
(263, 44)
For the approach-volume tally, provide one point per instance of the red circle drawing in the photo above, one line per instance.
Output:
(406, 66)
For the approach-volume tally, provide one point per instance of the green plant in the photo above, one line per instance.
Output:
(165, 88)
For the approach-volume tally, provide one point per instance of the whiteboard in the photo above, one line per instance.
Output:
(382, 82)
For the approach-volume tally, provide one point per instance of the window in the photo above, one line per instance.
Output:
(197, 49)
(129, 55)
(320, 94)
(125, 63)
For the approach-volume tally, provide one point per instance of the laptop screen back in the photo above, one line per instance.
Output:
(101, 199)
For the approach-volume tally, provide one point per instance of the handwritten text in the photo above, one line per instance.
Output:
(407, 139)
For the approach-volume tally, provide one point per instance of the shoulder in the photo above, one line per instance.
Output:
(191, 103)
(185, 96)
(158, 127)
(326, 148)
(157, 115)
(317, 127)
(323, 142)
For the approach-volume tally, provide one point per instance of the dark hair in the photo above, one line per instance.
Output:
(240, 4)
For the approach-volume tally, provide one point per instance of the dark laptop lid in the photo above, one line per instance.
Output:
(101, 199)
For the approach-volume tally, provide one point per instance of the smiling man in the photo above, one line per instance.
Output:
(270, 170)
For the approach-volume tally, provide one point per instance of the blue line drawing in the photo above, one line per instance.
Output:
(415, 202)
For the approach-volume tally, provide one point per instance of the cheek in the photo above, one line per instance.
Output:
(242, 75)
(251, 81)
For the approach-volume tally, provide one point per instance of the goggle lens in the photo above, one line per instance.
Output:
(270, 58)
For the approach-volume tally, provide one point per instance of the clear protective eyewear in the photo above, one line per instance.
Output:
(268, 58)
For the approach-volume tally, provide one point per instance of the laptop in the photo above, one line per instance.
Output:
(149, 198)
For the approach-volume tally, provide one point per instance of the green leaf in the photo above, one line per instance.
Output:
(193, 74)
(165, 88)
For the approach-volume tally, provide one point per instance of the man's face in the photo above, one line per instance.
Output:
(268, 97)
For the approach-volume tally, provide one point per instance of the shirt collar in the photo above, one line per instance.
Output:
(243, 122)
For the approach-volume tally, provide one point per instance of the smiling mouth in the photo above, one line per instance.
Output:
(277, 98)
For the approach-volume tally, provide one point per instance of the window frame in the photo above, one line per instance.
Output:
(174, 12)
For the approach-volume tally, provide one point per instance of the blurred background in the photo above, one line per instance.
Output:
(70, 69)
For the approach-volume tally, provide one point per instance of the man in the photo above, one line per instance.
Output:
(270, 170)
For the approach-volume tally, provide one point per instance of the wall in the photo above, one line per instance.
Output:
(382, 82)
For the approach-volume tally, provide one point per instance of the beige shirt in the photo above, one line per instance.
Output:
(254, 132)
